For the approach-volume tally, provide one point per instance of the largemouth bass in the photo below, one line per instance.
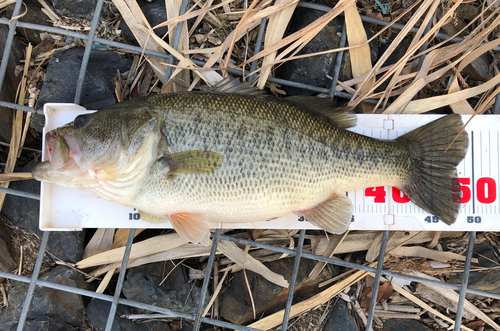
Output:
(197, 157)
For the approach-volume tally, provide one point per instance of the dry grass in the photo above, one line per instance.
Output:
(313, 320)
(29, 243)
(224, 33)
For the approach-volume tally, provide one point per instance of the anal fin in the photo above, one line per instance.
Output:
(332, 215)
(191, 226)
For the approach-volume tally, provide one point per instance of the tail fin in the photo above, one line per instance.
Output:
(433, 184)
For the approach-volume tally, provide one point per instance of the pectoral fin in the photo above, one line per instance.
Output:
(332, 215)
(191, 162)
(192, 227)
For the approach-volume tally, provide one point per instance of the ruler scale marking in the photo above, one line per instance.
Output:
(481, 151)
(473, 198)
(489, 150)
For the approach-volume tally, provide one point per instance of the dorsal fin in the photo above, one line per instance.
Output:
(340, 117)
(228, 85)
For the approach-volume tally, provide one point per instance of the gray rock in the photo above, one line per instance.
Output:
(67, 307)
(398, 53)
(439, 299)
(10, 83)
(67, 245)
(82, 9)
(484, 253)
(395, 324)
(48, 324)
(142, 285)
(485, 280)
(236, 304)
(341, 319)
(314, 70)
(34, 14)
(395, 56)
(7, 257)
(454, 25)
(479, 69)
(488, 280)
(467, 11)
(189, 326)
(155, 12)
(346, 70)
(62, 75)
(97, 312)
(24, 212)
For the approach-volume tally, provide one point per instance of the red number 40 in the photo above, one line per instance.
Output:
(377, 192)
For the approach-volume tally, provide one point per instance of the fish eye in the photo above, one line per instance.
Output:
(80, 121)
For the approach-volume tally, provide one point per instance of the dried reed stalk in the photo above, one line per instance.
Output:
(17, 124)
(275, 31)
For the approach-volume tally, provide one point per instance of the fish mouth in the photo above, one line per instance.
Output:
(67, 165)
(64, 151)
(45, 171)
(64, 155)
(61, 148)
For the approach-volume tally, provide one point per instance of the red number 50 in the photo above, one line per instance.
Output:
(486, 190)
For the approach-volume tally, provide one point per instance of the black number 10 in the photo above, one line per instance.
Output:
(134, 216)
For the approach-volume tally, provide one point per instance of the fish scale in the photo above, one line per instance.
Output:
(199, 157)
(303, 155)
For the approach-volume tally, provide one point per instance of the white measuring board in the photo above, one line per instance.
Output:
(379, 208)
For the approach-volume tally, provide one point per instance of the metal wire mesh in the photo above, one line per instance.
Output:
(197, 318)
